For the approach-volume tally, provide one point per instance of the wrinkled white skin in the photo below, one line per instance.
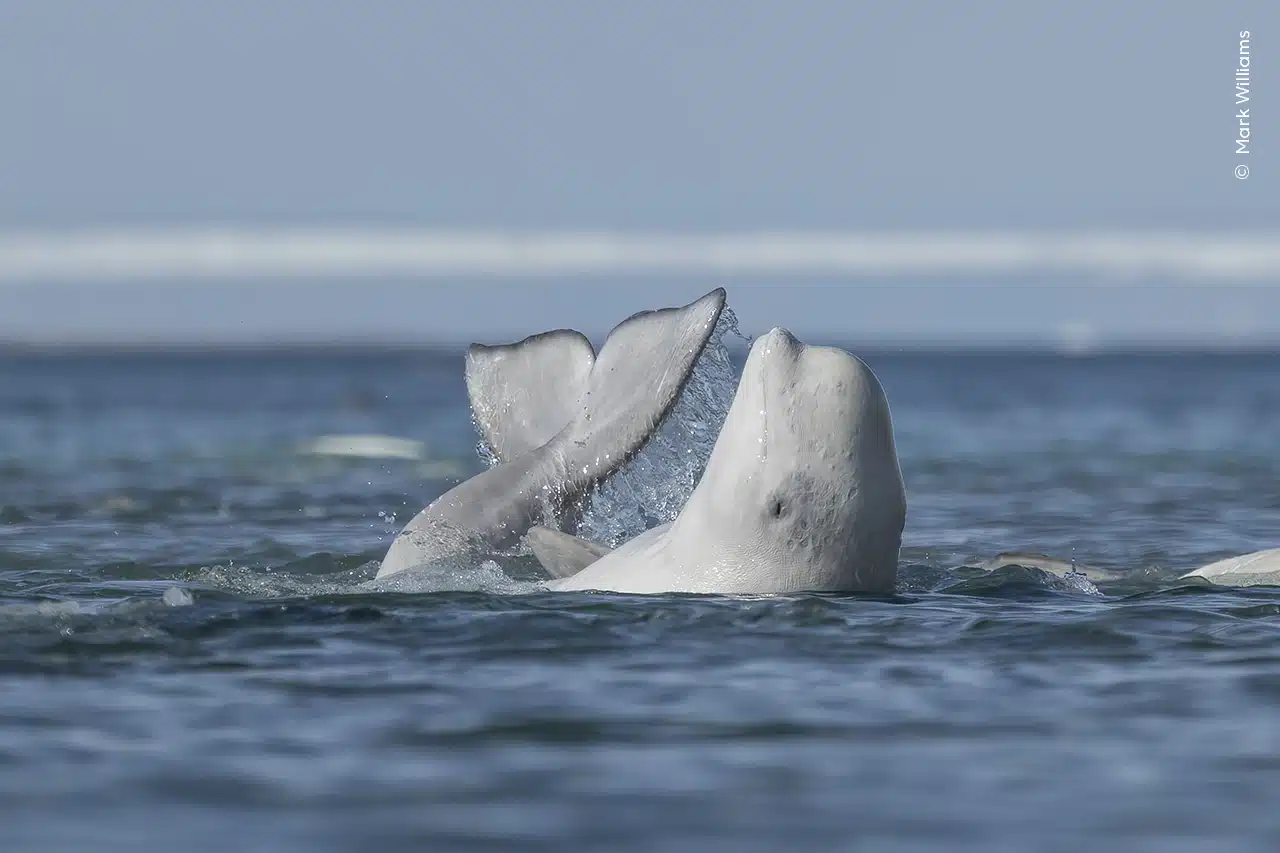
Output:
(802, 491)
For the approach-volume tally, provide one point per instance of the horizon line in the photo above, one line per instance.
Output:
(10, 346)
(102, 255)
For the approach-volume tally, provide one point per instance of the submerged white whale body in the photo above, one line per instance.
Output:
(802, 492)
(561, 419)
(1259, 568)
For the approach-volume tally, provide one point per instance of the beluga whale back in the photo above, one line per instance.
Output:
(1259, 568)
(560, 420)
(803, 492)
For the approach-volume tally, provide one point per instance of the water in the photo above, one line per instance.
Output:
(188, 659)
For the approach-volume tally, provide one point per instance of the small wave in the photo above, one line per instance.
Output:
(1006, 581)
(304, 577)
(457, 576)
(12, 515)
(325, 574)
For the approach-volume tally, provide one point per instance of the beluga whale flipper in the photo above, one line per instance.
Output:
(560, 419)
(802, 492)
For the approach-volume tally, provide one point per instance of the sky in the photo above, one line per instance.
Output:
(673, 118)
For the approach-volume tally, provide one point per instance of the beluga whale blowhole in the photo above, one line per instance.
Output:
(802, 492)
(560, 419)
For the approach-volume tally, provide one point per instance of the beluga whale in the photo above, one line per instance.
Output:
(802, 492)
(1258, 568)
(560, 419)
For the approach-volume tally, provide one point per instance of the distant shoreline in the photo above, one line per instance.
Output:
(107, 349)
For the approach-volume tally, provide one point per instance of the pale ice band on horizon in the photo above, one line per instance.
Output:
(104, 255)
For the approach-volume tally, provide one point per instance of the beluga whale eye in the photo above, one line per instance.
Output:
(776, 508)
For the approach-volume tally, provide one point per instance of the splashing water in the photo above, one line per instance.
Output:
(458, 575)
(483, 450)
(652, 488)
(296, 579)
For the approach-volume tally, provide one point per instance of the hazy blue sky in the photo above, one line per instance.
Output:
(659, 115)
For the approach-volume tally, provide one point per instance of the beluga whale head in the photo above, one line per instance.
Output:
(802, 492)
(804, 479)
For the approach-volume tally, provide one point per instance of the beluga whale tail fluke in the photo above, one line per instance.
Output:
(560, 419)
(522, 394)
(802, 493)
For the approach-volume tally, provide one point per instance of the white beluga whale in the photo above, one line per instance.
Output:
(560, 420)
(1259, 568)
(802, 492)
(1055, 566)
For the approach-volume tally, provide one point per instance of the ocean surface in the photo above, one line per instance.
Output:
(191, 657)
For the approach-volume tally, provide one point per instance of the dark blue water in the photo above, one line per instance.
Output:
(188, 660)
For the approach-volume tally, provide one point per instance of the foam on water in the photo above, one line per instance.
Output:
(256, 581)
(1079, 582)
(461, 575)
(176, 596)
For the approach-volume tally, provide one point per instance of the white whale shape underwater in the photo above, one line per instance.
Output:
(1259, 568)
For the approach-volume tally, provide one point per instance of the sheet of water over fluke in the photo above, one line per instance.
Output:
(191, 657)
